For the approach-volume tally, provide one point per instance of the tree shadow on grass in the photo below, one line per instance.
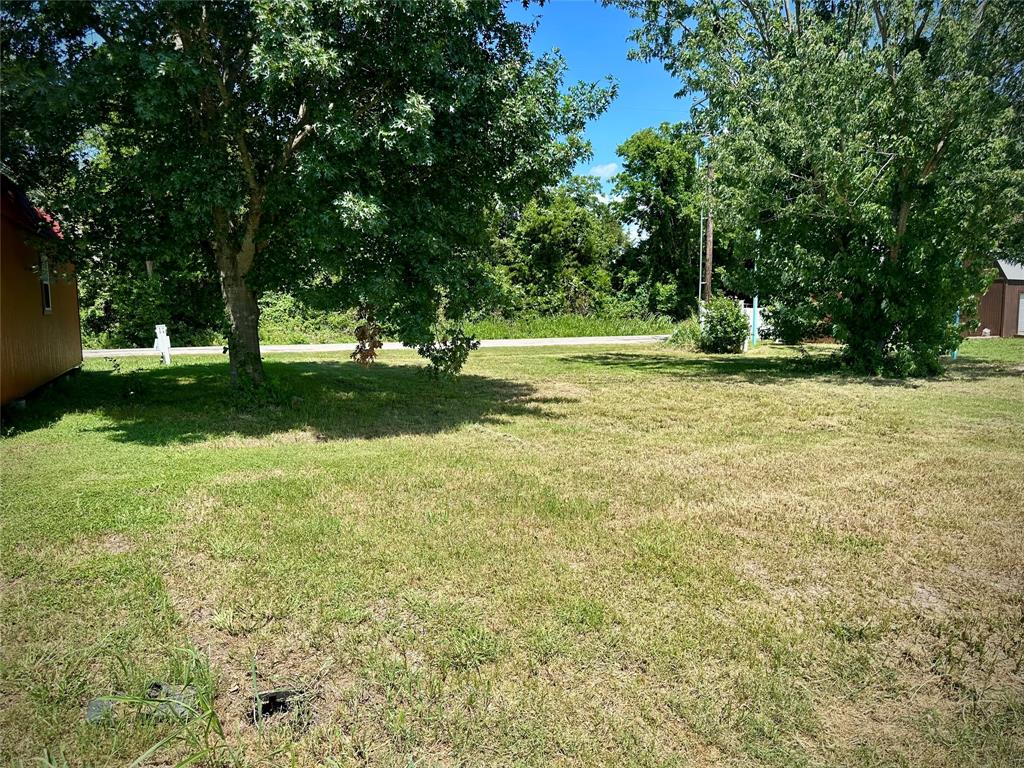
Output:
(779, 369)
(329, 400)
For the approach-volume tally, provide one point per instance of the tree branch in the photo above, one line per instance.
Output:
(881, 22)
(933, 161)
(222, 76)
(294, 142)
(760, 24)
(248, 166)
(919, 30)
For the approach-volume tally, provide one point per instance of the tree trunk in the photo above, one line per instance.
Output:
(244, 319)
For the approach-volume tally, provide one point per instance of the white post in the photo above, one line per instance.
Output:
(755, 316)
(700, 261)
(163, 344)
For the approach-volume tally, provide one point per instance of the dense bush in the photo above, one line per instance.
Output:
(554, 256)
(793, 323)
(124, 312)
(671, 297)
(286, 320)
(725, 327)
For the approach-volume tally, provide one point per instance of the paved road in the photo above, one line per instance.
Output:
(570, 341)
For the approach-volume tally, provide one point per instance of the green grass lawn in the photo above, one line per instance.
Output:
(621, 556)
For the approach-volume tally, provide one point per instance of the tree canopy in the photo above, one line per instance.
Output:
(870, 144)
(657, 195)
(354, 147)
(556, 253)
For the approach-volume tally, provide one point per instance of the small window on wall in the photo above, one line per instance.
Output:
(44, 282)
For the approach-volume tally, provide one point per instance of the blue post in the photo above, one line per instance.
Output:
(956, 322)
(753, 324)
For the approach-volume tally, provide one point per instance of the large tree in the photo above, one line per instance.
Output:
(350, 145)
(657, 194)
(870, 142)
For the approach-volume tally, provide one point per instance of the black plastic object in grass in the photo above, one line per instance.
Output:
(278, 701)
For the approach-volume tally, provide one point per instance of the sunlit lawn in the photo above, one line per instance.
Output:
(567, 556)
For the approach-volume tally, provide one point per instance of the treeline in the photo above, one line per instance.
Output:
(869, 156)
(348, 154)
(629, 253)
(410, 163)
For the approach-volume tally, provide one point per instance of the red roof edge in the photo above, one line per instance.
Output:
(16, 207)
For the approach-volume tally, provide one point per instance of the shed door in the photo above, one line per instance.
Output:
(1020, 315)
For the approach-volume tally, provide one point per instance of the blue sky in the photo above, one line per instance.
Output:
(593, 41)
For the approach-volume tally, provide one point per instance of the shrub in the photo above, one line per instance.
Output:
(448, 351)
(285, 319)
(664, 298)
(725, 326)
(792, 324)
(122, 311)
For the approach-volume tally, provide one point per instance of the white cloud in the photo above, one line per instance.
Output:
(604, 171)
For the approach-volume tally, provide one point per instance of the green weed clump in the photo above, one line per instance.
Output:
(568, 325)
(686, 335)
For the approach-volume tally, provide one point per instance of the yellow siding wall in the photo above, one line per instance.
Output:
(34, 347)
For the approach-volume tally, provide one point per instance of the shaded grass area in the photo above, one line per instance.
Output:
(570, 556)
(323, 399)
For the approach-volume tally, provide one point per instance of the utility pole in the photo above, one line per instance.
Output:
(709, 234)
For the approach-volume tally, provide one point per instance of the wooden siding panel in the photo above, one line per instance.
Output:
(990, 311)
(35, 347)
